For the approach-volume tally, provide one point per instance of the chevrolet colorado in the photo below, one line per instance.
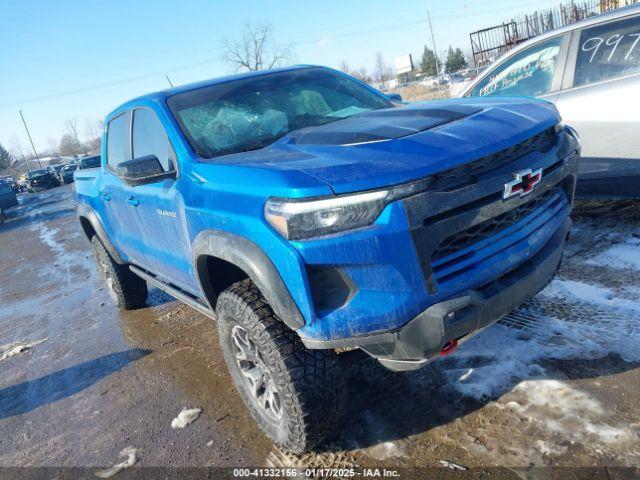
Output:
(308, 213)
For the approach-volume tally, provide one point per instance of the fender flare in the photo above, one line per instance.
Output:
(87, 213)
(252, 260)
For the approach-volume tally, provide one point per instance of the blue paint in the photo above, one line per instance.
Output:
(229, 193)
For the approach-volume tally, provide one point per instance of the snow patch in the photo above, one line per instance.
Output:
(377, 431)
(625, 255)
(451, 465)
(465, 375)
(12, 349)
(384, 450)
(131, 458)
(548, 448)
(186, 417)
(564, 410)
(492, 363)
(64, 259)
(509, 363)
(591, 294)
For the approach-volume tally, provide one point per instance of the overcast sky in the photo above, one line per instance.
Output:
(81, 58)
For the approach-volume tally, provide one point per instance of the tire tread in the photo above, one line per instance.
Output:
(131, 290)
(316, 384)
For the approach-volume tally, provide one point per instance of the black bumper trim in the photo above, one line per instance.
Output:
(422, 338)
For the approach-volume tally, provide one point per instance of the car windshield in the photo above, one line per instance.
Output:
(251, 113)
(66, 168)
(35, 173)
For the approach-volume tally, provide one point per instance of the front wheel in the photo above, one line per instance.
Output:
(294, 394)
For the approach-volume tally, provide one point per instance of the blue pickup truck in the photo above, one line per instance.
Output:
(308, 213)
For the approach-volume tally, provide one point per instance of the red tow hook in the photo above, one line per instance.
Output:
(449, 347)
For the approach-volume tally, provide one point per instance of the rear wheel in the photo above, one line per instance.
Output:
(126, 289)
(294, 394)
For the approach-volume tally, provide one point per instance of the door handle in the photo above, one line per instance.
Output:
(106, 197)
(133, 201)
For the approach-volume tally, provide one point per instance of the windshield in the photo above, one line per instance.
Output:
(35, 173)
(66, 168)
(251, 113)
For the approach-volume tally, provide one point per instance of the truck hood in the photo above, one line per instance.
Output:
(393, 146)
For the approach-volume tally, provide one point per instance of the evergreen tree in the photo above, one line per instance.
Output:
(429, 63)
(6, 159)
(455, 60)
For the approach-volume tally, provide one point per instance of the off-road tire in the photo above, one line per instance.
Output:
(127, 290)
(309, 383)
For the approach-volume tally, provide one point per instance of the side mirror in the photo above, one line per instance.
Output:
(394, 97)
(141, 170)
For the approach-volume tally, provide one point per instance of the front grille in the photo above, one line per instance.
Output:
(477, 233)
(468, 173)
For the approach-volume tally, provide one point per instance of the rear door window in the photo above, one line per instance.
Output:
(118, 140)
(608, 51)
(528, 73)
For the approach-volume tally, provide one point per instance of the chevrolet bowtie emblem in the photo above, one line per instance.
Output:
(524, 183)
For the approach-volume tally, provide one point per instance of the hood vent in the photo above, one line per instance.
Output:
(380, 125)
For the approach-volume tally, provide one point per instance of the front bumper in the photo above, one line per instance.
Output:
(423, 338)
(457, 318)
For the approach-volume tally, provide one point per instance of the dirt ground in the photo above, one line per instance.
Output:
(555, 383)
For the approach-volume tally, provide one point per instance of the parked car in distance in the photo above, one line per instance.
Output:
(89, 162)
(8, 196)
(307, 212)
(11, 182)
(66, 174)
(591, 71)
(41, 179)
(55, 169)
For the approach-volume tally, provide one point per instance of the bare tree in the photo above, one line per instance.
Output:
(382, 72)
(344, 67)
(256, 49)
(362, 75)
(17, 150)
(93, 134)
(69, 146)
(91, 128)
(73, 132)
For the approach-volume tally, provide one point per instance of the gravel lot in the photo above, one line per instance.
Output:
(555, 383)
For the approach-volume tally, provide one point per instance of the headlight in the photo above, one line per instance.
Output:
(558, 127)
(300, 219)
